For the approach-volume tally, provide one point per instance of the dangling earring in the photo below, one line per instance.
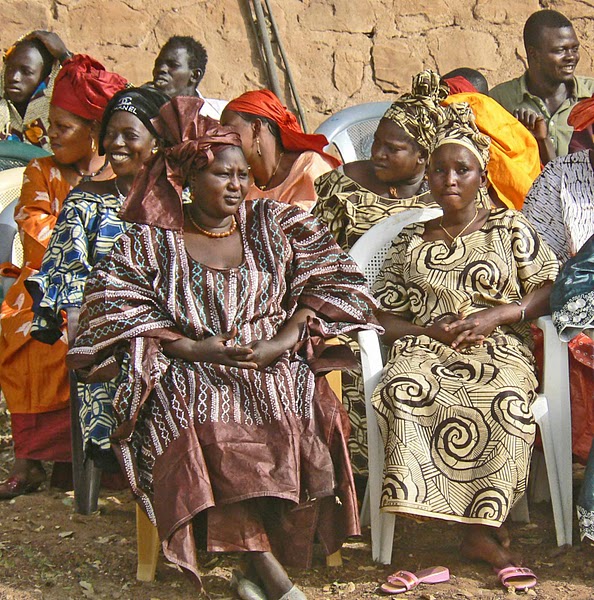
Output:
(187, 196)
(258, 149)
(154, 150)
(93, 146)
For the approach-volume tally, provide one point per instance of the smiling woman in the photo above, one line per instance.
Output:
(39, 407)
(86, 230)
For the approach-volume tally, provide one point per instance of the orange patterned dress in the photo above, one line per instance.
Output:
(33, 375)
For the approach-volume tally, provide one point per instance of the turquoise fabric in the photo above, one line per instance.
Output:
(572, 298)
(18, 154)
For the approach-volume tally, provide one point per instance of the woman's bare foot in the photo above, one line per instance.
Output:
(488, 544)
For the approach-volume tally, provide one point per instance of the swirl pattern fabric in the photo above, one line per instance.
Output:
(224, 435)
(457, 424)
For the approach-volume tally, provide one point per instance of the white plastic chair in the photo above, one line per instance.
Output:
(352, 129)
(551, 409)
(11, 249)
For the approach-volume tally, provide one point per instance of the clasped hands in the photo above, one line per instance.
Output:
(217, 349)
(460, 332)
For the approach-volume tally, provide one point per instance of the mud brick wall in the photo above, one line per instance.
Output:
(342, 52)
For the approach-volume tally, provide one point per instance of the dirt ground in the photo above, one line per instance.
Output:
(49, 552)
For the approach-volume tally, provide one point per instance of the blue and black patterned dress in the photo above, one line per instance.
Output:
(86, 230)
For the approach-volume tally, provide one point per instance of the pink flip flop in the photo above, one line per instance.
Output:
(519, 578)
(404, 581)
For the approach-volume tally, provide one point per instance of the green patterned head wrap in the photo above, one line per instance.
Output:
(459, 127)
(419, 112)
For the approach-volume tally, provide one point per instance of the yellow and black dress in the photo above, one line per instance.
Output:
(349, 210)
(457, 424)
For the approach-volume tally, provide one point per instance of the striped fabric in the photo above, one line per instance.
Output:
(560, 203)
(219, 433)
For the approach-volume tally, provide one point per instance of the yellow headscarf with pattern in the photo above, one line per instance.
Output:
(459, 127)
(419, 112)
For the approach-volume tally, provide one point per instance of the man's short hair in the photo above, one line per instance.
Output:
(197, 57)
(538, 21)
(48, 59)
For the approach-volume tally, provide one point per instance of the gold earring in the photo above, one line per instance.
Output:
(93, 146)
(258, 149)
(154, 150)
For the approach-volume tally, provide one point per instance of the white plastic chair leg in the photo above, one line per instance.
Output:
(538, 486)
(365, 516)
(556, 390)
(382, 525)
(519, 512)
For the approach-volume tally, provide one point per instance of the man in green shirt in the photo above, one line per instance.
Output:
(544, 95)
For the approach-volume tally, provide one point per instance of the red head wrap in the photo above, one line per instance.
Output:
(263, 103)
(582, 114)
(460, 85)
(83, 87)
(191, 141)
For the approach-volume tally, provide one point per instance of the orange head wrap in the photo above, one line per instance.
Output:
(83, 87)
(263, 103)
(190, 142)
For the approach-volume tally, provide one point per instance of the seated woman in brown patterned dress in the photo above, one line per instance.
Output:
(454, 402)
(217, 309)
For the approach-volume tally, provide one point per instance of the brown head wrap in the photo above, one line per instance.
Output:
(190, 141)
(419, 112)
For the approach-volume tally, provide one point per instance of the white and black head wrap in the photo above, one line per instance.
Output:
(143, 102)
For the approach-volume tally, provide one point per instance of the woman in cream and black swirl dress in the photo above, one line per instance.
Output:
(454, 400)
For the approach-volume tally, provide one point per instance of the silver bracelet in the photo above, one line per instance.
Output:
(522, 311)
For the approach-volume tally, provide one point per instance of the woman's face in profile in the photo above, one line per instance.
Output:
(70, 136)
(242, 127)
(127, 143)
(394, 154)
(219, 189)
(455, 176)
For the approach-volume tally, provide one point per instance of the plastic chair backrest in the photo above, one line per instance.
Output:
(18, 154)
(11, 249)
(352, 129)
(369, 251)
